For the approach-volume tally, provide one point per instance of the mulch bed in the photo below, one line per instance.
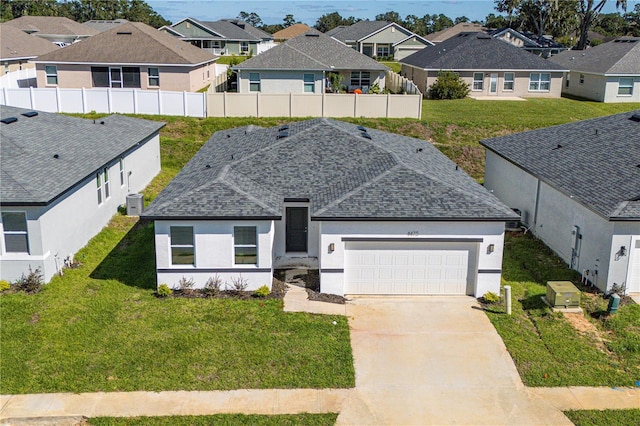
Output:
(277, 292)
(325, 297)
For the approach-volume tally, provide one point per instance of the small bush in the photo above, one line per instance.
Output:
(490, 297)
(4, 285)
(185, 284)
(213, 285)
(164, 290)
(31, 283)
(449, 85)
(263, 291)
(237, 284)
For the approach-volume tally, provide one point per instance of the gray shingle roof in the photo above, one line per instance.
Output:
(620, 56)
(228, 29)
(312, 51)
(356, 31)
(131, 43)
(248, 172)
(104, 24)
(51, 25)
(29, 172)
(16, 44)
(597, 162)
(477, 51)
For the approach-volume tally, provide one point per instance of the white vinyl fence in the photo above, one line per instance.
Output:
(107, 100)
(19, 78)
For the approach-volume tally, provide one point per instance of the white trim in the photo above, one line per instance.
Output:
(124, 64)
(414, 35)
(202, 26)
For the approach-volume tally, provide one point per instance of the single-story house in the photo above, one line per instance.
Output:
(380, 39)
(290, 32)
(543, 46)
(375, 212)
(578, 188)
(62, 179)
(447, 33)
(303, 64)
(18, 47)
(56, 29)
(131, 55)
(223, 37)
(488, 65)
(609, 72)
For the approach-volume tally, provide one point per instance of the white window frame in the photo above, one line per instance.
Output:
(105, 183)
(253, 80)
(536, 84)
(629, 85)
(244, 47)
(99, 182)
(49, 74)
(506, 80)
(581, 78)
(360, 79)
(192, 246)
(121, 170)
(112, 81)
(309, 82)
(478, 84)
(25, 232)
(384, 48)
(236, 246)
(155, 76)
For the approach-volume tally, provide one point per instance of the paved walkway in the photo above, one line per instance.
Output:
(296, 300)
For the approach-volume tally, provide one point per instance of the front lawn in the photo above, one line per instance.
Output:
(604, 417)
(220, 419)
(547, 349)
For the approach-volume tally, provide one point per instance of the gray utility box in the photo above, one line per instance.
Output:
(562, 294)
(135, 204)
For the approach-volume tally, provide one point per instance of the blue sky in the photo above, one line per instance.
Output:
(272, 12)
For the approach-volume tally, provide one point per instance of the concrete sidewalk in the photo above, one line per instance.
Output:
(296, 299)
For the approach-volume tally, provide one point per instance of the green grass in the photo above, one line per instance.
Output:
(604, 417)
(395, 66)
(226, 60)
(546, 348)
(220, 419)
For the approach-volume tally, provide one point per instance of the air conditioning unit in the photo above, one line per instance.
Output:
(562, 294)
(513, 225)
(135, 204)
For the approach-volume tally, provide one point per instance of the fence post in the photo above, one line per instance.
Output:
(205, 97)
(224, 104)
(184, 103)
(257, 104)
(323, 99)
(134, 94)
(32, 98)
(507, 298)
(388, 102)
(290, 104)
(159, 102)
(6, 95)
(355, 105)
(84, 100)
(58, 100)
(109, 100)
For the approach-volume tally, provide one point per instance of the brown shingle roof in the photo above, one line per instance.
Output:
(51, 25)
(291, 32)
(462, 27)
(16, 44)
(131, 43)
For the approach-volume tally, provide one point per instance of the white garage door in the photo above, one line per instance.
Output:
(407, 268)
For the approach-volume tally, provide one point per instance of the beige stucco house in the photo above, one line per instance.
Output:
(55, 29)
(18, 47)
(131, 55)
(490, 67)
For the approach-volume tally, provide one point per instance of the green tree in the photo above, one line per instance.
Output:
(390, 17)
(252, 18)
(588, 11)
(495, 21)
(612, 24)
(460, 20)
(448, 85)
(415, 24)
(288, 21)
(329, 21)
(633, 21)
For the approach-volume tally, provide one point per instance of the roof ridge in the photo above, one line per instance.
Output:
(221, 179)
(304, 54)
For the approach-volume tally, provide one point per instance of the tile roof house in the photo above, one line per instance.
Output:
(609, 72)
(18, 47)
(541, 46)
(301, 65)
(131, 55)
(380, 39)
(578, 188)
(290, 32)
(488, 65)
(56, 29)
(222, 37)
(375, 212)
(447, 33)
(62, 179)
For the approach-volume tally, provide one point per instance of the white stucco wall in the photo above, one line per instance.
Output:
(627, 235)
(489, 264)
(599, 87)
(63, 227)
(214, 253)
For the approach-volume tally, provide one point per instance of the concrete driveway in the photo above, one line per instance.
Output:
(438, 361)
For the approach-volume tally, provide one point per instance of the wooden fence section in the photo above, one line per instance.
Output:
(399, 84)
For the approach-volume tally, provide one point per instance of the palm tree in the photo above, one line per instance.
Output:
(588, 11)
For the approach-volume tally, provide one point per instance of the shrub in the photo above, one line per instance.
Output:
(31, 283)
(375, 89)
(186, 284)
(449, 85)
(4, 285)
(238, 284)
(164, 290)
(491, 297)
(263, 291)
(213, 284)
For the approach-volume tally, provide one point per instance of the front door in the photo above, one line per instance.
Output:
(296, 229)
(493, 84)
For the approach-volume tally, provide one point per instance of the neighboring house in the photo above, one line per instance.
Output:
(223, 37)
(489, 66)
(101, 25)
(375, 212)
(302, 65)
(380, 39)
(609, 72)
(131, 55)
(542, 46)
(578, 188)
(463, 27)
(18, 47)
(56, 29)
(62, 179)
(290, 32)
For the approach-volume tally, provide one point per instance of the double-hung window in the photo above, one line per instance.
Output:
(625, 86)
(360, 78)
(508, 81)
(254, 81)
(105, 175)
(16, 238)
(121, 166)
(182, 247)
(154, 77)
(478, 81)
(245, 245)
(244, 47)
(581, 78)
(99, 185)
(382, 50)
(539, 82)
(52, 74)
(309, 83)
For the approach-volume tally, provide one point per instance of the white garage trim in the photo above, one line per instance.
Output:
(410, 266)
(633, 281)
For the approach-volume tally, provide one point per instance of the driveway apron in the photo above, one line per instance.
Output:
(438, 361)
